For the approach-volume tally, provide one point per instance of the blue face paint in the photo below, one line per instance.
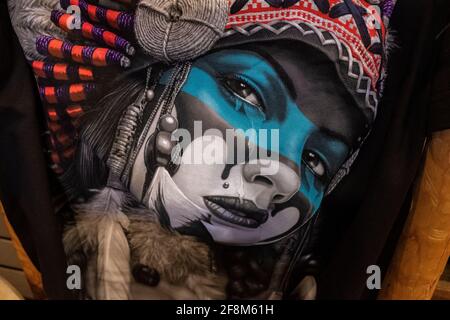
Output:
(271, 107)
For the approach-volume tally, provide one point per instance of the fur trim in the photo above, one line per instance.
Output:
(180, 260)
(173, 255)
(391, 42)
(389, 46)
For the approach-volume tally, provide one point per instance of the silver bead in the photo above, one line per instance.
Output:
(168, 123)
(149, 95)
(162, 161)
(226, 185)
(164, 144)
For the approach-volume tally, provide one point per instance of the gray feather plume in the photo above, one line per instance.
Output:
(99, 228)
(31, 18)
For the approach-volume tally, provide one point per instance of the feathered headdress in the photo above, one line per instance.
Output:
(74, 45)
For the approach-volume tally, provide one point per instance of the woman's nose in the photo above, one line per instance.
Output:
(280, 180)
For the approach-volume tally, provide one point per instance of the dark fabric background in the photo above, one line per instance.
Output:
(24, 187)
(358, 225)
(361, 221)
(440, 92)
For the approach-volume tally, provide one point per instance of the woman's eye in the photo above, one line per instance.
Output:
(314, 162)
(244, 91)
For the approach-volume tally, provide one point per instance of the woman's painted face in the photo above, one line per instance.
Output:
(291, 93)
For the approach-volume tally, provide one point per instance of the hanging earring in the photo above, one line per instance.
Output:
(159, 150)
(164, 143)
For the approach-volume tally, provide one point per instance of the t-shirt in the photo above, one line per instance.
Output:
(157, 195)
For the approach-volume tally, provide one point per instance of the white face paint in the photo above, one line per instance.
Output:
(236, 210)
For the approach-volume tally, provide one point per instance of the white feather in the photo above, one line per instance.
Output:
(113, 252)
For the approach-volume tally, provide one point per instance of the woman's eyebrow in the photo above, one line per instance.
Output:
(278, 69)
(336, 136)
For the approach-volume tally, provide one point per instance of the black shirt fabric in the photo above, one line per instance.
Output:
(440, 92)
(363, 220)
(358, 227)
(25, 190)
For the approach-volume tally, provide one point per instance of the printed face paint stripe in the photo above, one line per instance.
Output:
(293, 131)
(296, 131)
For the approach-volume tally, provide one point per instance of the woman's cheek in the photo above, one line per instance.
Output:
(209, 90)
(311, 188)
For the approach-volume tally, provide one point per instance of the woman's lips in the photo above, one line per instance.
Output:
(238, 211)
